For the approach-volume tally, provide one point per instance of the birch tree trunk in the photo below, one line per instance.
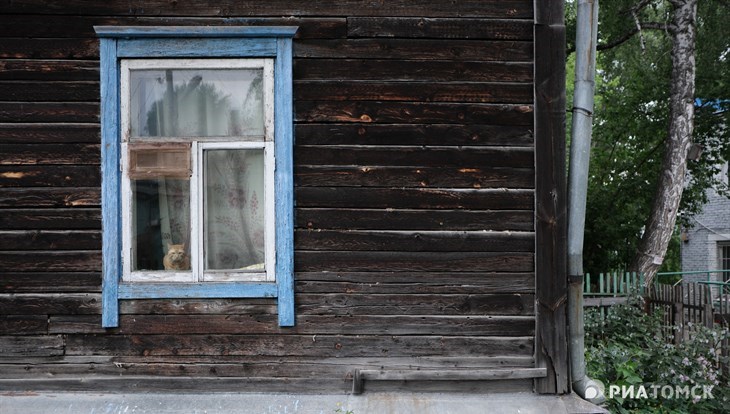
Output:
(659, 228)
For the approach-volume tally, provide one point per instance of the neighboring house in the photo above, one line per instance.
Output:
(706, 245)
(283, 200)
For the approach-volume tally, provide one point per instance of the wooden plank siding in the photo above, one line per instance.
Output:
(414, 171)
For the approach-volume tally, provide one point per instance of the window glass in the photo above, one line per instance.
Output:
(161, 224)
(725, 259)
(196, 102)
(197, 169)
(234, 223)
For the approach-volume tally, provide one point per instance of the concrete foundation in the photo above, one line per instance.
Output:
(369, 403)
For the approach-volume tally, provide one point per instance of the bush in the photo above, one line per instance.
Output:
(626, 348)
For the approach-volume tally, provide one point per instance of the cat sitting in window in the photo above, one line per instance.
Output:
(176, 259)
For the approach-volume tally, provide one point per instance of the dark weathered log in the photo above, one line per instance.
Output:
(413, 134)
(131, 384)
(398, 362)
(423, 177)
(249, 366)
(446, 288)
(50, 240)
(431, 8)
(48, 133)
(404, 303)
(30, 347)
(305, 325)
(390, 112)
(411, 91)
(414, 282)
(24, 154)
(424, 198)
(47, 70)
(22, 48)
(439, 241)
(321, 346)
(24, 91)
(50, 176)
(51, 219)
(475, 387)
(49, 112)
(307, 304)
(460, 157)
(49, 197)
(51, 304)
(23, 324)
(389, 219)
(199, 306)
(413, 261)
(50, 26)
(419, 49)
(47, 261)
(418, 27)
(409, 70)
(445, 375)
(46, 283)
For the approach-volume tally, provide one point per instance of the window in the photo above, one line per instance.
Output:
(197, 170)
(197, 164)
(723, 250)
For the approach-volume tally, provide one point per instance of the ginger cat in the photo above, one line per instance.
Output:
(176, 259)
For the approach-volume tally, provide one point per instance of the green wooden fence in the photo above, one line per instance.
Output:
(613, 284)
(610, 288)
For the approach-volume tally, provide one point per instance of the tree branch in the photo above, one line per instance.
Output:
(638, 7)
(638, 28)
(628, 35)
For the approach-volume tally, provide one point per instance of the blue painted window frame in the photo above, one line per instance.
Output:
(118, 43)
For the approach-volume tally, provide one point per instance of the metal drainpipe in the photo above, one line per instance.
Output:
(585, 68)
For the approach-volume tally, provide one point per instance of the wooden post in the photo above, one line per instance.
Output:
(678, 319)
(551, 342)
(709, 318)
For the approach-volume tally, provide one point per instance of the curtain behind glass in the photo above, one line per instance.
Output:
(234, 209)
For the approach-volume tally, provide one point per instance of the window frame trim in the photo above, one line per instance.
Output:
(117, 43)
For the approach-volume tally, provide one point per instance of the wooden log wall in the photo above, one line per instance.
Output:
(414, 166)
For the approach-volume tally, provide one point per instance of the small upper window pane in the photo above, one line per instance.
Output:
(196, 102)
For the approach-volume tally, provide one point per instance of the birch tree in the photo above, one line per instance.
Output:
(665, 206)
(645, 113)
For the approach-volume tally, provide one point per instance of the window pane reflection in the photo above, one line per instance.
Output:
(196, 102)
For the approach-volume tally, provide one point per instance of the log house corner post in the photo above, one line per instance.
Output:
(551, 342)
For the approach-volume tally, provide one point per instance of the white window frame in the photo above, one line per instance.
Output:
(197, 274)
(720, 259)
(196, 214)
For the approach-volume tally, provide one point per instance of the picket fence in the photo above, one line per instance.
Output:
(684, 306)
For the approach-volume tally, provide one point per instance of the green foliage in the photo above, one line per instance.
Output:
(626, 348)
(341, 410)
(631, 123)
